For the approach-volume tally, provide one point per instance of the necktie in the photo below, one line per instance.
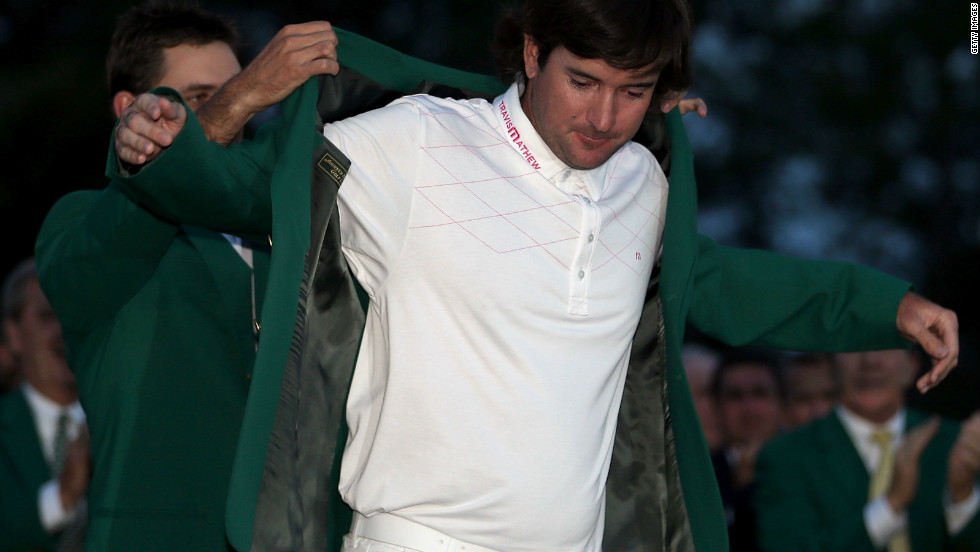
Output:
(881, 479)
(60, 445)
(72, 537)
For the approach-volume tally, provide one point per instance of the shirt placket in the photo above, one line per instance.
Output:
(580, 270)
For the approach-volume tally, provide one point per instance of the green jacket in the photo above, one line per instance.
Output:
(157, 321)
(812, 487)
(23, 470)
(283, 472)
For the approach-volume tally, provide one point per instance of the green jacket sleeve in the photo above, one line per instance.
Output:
(759, 298)
(222, 188)
(94, 251)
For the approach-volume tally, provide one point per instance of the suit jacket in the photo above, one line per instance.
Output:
(812, 487)
(737, 503)
(23, 470)
(157, 321)
(661, 493)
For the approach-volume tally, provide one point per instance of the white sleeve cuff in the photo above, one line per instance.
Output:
(959, 515)
(882, 523)
(53, 515)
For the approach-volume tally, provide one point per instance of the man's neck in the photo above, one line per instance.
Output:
(58, 394)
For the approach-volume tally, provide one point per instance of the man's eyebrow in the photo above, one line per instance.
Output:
(641, 84)
(198, 87)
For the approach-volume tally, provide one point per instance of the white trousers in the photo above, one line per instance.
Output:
(390, 533)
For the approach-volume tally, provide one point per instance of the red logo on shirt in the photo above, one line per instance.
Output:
(515, 136)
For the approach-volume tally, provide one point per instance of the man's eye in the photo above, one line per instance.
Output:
(578, 83)
(634, 94)
(197, 99)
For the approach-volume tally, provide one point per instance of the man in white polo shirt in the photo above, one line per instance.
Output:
(509, 251)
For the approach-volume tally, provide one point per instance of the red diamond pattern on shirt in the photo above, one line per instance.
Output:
(510, 210)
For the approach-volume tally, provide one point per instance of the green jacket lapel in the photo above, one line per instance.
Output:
(19, 436)
(231, 280)
(846, 473)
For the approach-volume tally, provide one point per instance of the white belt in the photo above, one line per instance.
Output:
(391, 529)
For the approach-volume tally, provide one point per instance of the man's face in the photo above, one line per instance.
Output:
(748, 403)
(811, 392)
(35, 339)
(584, 109)
(873, 383)
(700, 369)
(197, 72)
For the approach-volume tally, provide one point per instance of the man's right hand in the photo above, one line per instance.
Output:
(146, 127)
(77, 471)
(295, 54)
(905, 477)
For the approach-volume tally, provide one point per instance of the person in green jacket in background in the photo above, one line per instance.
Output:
(660, 493)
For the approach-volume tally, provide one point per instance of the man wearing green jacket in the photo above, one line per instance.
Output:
(660, 493)
(160, 318)
(872, 474)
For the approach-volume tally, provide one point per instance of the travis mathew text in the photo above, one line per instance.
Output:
(515, 136)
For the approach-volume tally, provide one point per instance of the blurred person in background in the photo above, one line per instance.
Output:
(748, 398)
(44, 448)
(873, 475)
(10, 376)
(700, 362)
(811, 387)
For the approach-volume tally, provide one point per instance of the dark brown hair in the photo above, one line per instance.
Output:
(135, 58)
(626, 34)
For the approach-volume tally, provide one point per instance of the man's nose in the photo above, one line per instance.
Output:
(602, 111)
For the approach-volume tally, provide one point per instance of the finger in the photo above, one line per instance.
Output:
(694, 104)
(322, 66)
(134, 148)
(936, 374)
(146, 104)
(143, 135)
(918, 438)
(299, 39)
(309, 27)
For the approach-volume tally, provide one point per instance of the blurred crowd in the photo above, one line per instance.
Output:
(788, 434)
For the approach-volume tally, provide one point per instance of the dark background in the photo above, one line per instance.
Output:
(844, 129)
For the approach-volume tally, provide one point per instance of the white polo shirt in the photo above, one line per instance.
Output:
(505, 291)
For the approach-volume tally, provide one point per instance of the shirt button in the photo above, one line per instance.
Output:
(581, 274)
(591, 237)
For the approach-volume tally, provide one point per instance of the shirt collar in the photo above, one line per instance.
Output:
(860, 429)
(48, 410)
(521, 135)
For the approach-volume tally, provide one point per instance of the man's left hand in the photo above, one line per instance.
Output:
(964, 459)
(936, 330)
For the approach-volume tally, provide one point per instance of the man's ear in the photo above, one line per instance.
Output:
(11, 333)
(530, 56)
(121, 101)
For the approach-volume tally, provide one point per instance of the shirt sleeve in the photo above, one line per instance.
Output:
(375, 199)
(54, 516)
(958, 515)
(882, 522)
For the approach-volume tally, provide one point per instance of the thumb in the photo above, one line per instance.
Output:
(917, 331)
